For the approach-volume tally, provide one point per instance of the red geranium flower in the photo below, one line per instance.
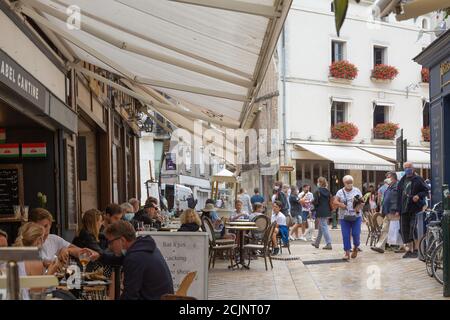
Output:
(344, 131)
(384, 72)
(343, 70)
(385, 130)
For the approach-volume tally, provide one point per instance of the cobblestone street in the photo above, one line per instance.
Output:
(320, 274)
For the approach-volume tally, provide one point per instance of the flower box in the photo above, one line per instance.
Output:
(380, 80)
(339, 80)
(384, 72)
(344, 131)
(343, 70)
(385, 131)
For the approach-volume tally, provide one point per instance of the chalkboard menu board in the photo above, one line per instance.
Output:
(11, 188)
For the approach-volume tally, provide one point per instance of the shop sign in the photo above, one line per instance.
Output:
(171, 161)
(9, 150)
(19, 80)
(286, 168)
(445, 73)
(34, 150)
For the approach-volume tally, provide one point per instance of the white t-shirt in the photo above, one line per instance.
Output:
(349, 195)
(309, 199)
(279, 218)
(52, 245)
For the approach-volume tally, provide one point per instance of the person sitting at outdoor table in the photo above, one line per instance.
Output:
(145, 271)
(88, 236)
(53, 245)
(128, 211)
(281, 227)
(239, 214)
(190, 221)
(258, 209)
(113, 213)
(135, 203)
(149, 216)
(32, 235)
(219, 228)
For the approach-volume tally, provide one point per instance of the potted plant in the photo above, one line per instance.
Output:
(384, 72)
(425, 75)
(385, 130)
(343, 70)
(344, 131)
(426, 134)
(42, 198)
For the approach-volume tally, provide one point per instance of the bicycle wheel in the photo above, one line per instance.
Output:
(437, 263)
(428, 263)
(422, 248)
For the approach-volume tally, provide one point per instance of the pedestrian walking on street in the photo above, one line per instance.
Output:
(306, 200)
(412, 192)
(281, 227)
(281, 196)
(296, 213)
(257, 198)
(389, 210)
(246, 201)
(322, 205)
(350, 216)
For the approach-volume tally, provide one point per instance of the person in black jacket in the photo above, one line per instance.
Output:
(412, 192)
(146, 273)
(323, 212)
(149, 215)
(190, 221)
(88, 236)
(389, 209)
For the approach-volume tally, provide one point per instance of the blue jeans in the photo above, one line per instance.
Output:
(284, 231)
(323, 230)
(351, 229)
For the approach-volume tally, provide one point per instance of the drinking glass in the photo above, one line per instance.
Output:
(147, 227)
(17, 212)
(84, 260)
(140, 226)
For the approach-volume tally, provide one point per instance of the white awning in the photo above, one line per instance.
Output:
(419, 158)
(350, 158)
(209, 56)
(195, 182)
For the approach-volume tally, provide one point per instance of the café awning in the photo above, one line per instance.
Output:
(348, 157)
(204, 58)
(419, 158)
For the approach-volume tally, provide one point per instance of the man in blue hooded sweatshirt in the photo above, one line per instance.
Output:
(146, 274)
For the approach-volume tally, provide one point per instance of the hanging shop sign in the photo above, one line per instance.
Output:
(19, 80)
(445, 73)
(34, 150)
(9, 150)
(2, 135)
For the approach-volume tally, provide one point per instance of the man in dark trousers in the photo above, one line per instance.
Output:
(146, 274)
(412, 192)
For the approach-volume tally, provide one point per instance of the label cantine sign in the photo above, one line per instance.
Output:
(19, 80)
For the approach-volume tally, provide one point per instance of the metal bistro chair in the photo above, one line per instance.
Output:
(218, 241)
(214, 247)
(264, 248)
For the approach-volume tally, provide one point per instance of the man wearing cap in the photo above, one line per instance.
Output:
(149, 214)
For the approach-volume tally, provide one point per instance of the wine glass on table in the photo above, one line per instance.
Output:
(84, 260)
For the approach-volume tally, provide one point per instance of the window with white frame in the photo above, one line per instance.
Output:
(337, 51)
(338, 112)
(380, 115)
(379, 55)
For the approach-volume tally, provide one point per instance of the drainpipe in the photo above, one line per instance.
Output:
(283, 80)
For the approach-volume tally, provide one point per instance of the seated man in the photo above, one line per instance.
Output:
(281, 227)
(238, 212)
(146, 274)
(53, 245)
(113, 213)
(258, 209)
(135, 203)
(149, 215)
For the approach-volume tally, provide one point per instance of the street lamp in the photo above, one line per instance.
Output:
(147, 125)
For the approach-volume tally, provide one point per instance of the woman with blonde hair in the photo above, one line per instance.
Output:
(190, 221)
(32, 235)
(322, 199)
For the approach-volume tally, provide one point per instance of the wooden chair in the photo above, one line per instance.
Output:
(215, 248)
(186, 283)
(218, 241)
(262, 250)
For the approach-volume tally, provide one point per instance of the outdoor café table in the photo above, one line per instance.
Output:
(86, 289)
(241, 229)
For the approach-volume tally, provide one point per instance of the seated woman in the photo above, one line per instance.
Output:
(190, 221)
(88, 236)
(32, 235)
